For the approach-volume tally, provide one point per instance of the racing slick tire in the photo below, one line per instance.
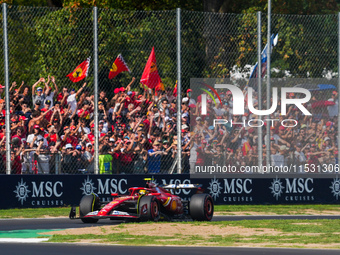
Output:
(148, 208)
(201, 207)
(88, 203)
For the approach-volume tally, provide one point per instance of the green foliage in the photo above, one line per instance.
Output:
(45, 41)
(54, 41)
(133, 34)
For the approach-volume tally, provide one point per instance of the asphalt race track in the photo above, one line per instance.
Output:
(68, 249)
(63, 223)
(84, 249)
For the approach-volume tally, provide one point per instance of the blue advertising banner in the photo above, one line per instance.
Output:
(29, 191)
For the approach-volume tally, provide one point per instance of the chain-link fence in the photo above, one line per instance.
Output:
(137, 126)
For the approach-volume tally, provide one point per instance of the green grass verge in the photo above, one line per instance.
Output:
(293, 233)
(35, 212)
(277, 209)
(221, 209)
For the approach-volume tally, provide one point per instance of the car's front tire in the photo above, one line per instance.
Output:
(89, 203)
(201, 207)
(148, 208)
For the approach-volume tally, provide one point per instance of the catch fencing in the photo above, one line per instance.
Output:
(46, 42)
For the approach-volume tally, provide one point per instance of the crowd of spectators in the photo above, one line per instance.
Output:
(309, 142)
(52, 131)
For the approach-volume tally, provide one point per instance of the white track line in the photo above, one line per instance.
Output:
(22, 240)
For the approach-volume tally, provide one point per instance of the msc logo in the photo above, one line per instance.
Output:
(297, 189)
(238, 100)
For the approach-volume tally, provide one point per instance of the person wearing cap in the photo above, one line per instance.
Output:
(16, 165)
(185, 118)
(35, 141)
(189, 96)
(111, 142)
(52, 136)
(333, 110)
(80, 161)
(276, 137)
(102, 114)
(127, 155)
(42, 159)
(164, 106)
(103, 127)
(35, 137)
(84, 111)
(62, 97)
(68, 160)
(72, 98)
(47, 108)
(68, 137)
(49, 94)
(285, 133)
(173, 106)
(104, 141)
(185, 100)
(88, 158)
(38, 95)
(90, 136)
(37, 106)
(27, 112)
(327, 144)
(154, 158)
(57, 116)
(118, 126)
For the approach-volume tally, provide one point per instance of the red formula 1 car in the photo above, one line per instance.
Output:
(147, 203)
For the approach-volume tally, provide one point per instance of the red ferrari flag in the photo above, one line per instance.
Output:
(118, 66)
(80, 72)
(150, 76)
(175, 90)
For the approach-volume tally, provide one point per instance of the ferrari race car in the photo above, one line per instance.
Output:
(150, 203)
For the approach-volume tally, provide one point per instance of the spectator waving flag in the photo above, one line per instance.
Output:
(252, 82)
(80, 72)
(150, 76)
(118, 66)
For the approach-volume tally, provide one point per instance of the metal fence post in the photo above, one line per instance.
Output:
(95, 69)
(338, 87)
(268, 81)
(179, 90)
(57, 163)
(7, 119)
(259, 86)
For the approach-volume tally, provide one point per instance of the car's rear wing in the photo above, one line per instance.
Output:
(182, 186)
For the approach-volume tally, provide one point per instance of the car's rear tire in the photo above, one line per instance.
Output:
(89, 203)
(148, 208)
(201, 207)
